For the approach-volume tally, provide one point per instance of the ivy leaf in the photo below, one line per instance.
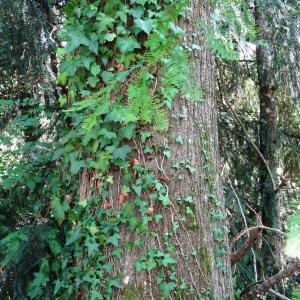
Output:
(68, 67)
(139, 266)
(92, 246)
(191, 169)
(137, 189)
(58, 285)
(74, 235)
(179, 139)
(75, 39)
(176, 29)
(188, 199)
(122, 152)
(113, 240)
(167, 153)
(165, 200)
(117, 253)
(145, 135)
(105, 22)
(127, 45)
(95, 70)
(58, 154)
(114, 282)
(168, 260)
(59, 209)
(150, 264)
(109, 37)
(93, 46)
(142, 2)
(107, 134)
(93, 230)
(106, 76)
(188, 211)
(93, 81)
(76, 165)
(127, 131)
(167, 287)
(157, 218)
(137, 12)
(145, 26)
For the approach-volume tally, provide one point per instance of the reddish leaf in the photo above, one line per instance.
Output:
(151, 209)
(120, 67)
(164, 179)
(134, 162)
(99, 184)
(122, 197)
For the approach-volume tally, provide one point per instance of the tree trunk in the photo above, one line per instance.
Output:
(268, 123)
(195, 230)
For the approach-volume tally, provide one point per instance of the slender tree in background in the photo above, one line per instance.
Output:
(268, 126)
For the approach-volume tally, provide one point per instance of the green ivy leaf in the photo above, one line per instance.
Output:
(92, 246)
(93, 230)
(122, 152)
(93, 81)
(139, 266)
(167, 153)
(107, 134)
(59, 209)
(114, 282)
(126, 45)
(145, 135)
(127, 131)
(73, 235)
(144, 25)
(106, 76)
(137, 189)
(142, 2)
(76, 165)
(117, 253)
(75, 39)
(191, 169)
(150, 264)
(167, 287)
(188, 199)
(188, 211)
(109, 37)
(68, 67)
(113, 240)
(165, 200)
(168, 260)
(179, 139)
(137, 12)
(95, 70)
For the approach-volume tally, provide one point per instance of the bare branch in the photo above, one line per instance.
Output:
(238, 236)
(266, 285)
(253, 237)
(278, 295)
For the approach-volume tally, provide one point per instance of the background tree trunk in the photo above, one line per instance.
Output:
(268, 125)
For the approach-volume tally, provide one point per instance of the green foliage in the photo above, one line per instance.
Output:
(296, 293)
(293, 236)
(123, 64)
(232, 25)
